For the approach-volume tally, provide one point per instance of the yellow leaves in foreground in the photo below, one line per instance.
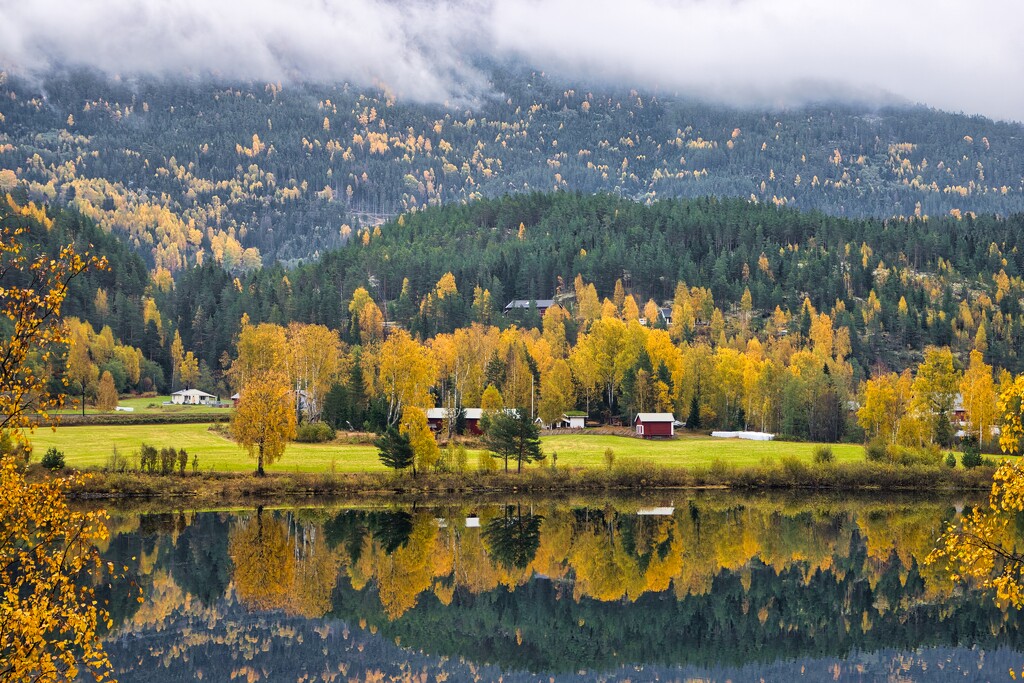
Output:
(984, 548)
(49, 616)
(50, 619)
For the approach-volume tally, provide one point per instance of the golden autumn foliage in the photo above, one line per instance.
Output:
(424, 447)
(262, 349)
(984, 549)
(33, 310)
(313, 362)
(1011, 409)
(49, 617)
(366, 316)
(979, 395)
(264, 420)
(406, 371)
(106, 398)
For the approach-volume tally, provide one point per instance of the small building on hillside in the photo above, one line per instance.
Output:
(655, 424)
(573, 419)
(520, 306)
(234, 399)
(664, 317)
(192, 397)
(435, 418)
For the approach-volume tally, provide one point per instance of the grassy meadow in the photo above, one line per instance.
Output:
(91, 447)
(141, 406)
(587, 450)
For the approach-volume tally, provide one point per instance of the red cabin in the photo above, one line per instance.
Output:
(655, 424)
(436, 417)
(473, 416)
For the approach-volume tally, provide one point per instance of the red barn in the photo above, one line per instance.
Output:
(436, 417)
(655, 424)
(473, 416)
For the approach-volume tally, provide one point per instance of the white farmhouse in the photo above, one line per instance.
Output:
(192, 397)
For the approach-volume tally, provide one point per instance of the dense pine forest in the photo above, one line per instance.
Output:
(240, 174)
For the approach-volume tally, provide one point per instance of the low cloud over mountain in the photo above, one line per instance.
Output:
(943, 53)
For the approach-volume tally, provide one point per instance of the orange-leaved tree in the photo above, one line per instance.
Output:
(49, 617)
(265, 418)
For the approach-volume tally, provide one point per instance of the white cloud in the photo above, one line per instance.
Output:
(949, 54)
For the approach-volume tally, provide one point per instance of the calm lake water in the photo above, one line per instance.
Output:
(703, 587)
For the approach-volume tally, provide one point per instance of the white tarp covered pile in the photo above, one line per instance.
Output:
(750, 436)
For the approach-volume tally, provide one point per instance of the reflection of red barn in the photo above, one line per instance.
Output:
(655, 424)
(436, 417)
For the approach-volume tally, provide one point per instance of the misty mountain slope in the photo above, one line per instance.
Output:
(240, 174)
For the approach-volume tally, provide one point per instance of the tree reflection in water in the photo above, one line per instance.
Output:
(547, 587)
(513, 538)
(281, 565)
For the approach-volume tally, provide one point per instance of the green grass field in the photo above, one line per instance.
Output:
(92, 446)
(145, 406)
(587, 450)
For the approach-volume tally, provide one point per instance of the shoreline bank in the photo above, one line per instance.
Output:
(213, 487)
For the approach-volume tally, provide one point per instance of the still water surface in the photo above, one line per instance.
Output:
(704, 587)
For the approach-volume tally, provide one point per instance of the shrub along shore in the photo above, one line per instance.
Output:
(789, 473)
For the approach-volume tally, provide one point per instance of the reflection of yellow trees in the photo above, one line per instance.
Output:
(316, 572)
(281, 567)
(264, 564)
(602, 570)
(473, 569)
(613, 555)
(163, 598)
(407, 572)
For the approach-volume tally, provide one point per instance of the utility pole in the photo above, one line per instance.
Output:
(531, 397)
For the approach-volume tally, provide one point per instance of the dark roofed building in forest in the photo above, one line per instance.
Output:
(523, 305)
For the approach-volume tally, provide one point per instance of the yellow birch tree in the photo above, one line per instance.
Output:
(264, 420)
(978, 389)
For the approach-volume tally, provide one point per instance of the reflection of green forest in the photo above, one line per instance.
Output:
(550, 588)
(803, 618)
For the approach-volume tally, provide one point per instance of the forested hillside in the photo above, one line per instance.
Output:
(897, 285)
(728, 313)
(239, 174)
